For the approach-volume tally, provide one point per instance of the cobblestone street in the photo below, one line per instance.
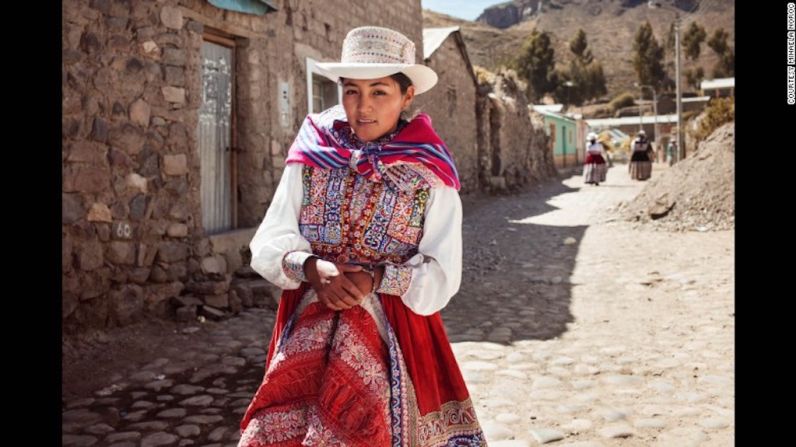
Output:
(571, 328)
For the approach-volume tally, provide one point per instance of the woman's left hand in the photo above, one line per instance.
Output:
(366, 282)
(362, 280)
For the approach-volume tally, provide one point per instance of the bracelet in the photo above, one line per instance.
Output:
(370, 269)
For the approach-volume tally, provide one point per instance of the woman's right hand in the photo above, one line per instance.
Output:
(333, 288)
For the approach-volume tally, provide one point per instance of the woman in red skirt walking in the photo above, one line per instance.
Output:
(594, 167)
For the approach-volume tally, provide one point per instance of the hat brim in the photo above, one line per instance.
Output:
(422, 77)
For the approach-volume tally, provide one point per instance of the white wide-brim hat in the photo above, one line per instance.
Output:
(372, 52)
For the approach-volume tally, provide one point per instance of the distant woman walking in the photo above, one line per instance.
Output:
(594, 167)
(640, 164)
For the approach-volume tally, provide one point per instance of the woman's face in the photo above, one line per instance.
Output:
(373, 106)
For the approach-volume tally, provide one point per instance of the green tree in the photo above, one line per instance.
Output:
(692, 40)
(580, 48)
(695, 77)
(536, 64)
(648, 57)
(670, 40)
(726, 63)
(597, 80)
(584, 74)
(718, 41)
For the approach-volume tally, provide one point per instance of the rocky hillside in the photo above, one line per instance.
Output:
(498, 34)
(697, 194)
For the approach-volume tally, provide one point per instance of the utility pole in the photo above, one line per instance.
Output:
(652, 4)
(640, 109)
(655, 118)
(680, 145)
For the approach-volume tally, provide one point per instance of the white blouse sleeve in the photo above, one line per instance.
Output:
(428, 280)
(278, 248)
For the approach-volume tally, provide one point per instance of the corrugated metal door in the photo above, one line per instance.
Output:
(215, 132)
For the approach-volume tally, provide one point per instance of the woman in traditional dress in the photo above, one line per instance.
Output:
(640, 164)
(364, 237)
(594, 167)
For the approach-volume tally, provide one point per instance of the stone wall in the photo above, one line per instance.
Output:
(514, 150)
(133, 242)
(133, 238)
(451, 105)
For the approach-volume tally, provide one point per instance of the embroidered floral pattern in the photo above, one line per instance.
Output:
(396, 280)
(344, 352)
(293, 265)
(318, 433)
(347, 218)
(335, 381)
(454, 425)
(372, 372)
(275, 427)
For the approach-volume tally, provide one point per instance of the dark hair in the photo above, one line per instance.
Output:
(403, 81)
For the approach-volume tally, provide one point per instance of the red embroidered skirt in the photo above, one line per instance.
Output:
(373, 375)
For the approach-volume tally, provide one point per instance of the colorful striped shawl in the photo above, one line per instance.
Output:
(415, 150)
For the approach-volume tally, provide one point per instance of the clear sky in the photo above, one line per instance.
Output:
(463, 9)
